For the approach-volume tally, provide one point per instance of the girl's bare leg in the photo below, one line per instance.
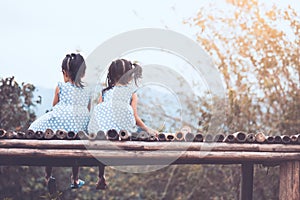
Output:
(101, 184)
(75, 172)
(48, 171)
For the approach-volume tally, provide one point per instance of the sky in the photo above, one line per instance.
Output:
(37, 34)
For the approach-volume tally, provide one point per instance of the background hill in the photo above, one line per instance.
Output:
(47, 98)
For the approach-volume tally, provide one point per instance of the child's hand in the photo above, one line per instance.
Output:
(152, 131)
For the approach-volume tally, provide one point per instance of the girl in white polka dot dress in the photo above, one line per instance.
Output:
(117, 108)
(70, 108)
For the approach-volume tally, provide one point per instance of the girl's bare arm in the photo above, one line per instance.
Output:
(100, 99)
(138, 120)
(56, 97)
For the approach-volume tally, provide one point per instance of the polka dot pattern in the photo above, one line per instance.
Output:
(70, 113)
(115, 112)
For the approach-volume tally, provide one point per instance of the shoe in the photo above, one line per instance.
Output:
(77, 185)
(51, 184)
(101, 184)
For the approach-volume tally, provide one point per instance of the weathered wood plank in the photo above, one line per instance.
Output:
(117, 157)
(289, 180)
(145, 146)
(247, 181)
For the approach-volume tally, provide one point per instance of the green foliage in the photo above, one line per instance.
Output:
(172, 182)
(256, 49)
(16, 104)
(21, 182)
(16, 113)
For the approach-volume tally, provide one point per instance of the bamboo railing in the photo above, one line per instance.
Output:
(182, 147)
(62, 148)
(181, 136)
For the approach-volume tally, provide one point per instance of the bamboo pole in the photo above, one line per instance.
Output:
(101, 135)
(229, 138)
(143, 136)
(270, 139)
(189, 137)
(260, 137)
(208, 138)
(92, 136)
(49, 134)
(294, 138)
(219, 137)
(134, 136)
(187, 134)
(71, 135)
(29, 134)
(277, 139)
(61, 134)
(112, 134)
(250, 137)
(162, 137)
(152, 137)
(20, 135)
(2, 133)
(170, 137)
(240, 137)
(198, 137)
(179, 136)
(146, 146)
(11, 134)
(82, 135)
(116, 157)
(38, 135)
(124, 135)
(285, 139)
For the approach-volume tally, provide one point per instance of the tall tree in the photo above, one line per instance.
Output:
(256, 49)
(255, 46)
(16, 104)
(16, 113)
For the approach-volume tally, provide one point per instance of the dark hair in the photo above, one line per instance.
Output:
(74, 65)
(122, 71)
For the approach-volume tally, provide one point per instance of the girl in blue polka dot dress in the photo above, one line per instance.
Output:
(70, 108)
(117, 108)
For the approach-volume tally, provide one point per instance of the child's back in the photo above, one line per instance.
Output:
(115, 112)
(70, 111)
(72, 95)
(117, 108)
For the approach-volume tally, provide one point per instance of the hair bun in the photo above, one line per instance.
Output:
(73, 55)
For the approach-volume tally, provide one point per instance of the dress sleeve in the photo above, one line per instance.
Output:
(59, 85)
(133, 88)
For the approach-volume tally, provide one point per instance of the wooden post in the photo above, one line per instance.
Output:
(289, 186)
(247, 181)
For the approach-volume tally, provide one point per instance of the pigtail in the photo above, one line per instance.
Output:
(137, 72)
(122, 71)
(78, 69)
(66, 63)
(74, 65)
(109, 78)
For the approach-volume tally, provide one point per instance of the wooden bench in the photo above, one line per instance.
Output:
(90, 153)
